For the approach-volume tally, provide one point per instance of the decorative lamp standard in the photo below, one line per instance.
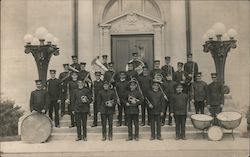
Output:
(42, 52)
(219, 47)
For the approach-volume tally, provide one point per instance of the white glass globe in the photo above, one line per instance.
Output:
(204, 37)
(210, 33)
(219, 28)
(55, 41)
(49, 37)
(28, 38)
(225, 36)
(231, 33)
(41, 33)
(35, 41)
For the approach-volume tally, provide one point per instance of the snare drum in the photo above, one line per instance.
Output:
(215, 133)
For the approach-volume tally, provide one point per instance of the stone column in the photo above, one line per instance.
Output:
(158, 41)
(178, 32)
(106, 47)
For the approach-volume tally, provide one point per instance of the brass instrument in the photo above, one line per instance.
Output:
(84, 99)
(109, 103)
(93, 93)
(139, 88)
(165, 96)
(117, 96)
(65, 77)
(86, 78)
(67, 100)
(149, 103)
(74, 69)
(132, 100)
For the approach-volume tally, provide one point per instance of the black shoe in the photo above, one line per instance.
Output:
(142, 124)
(151, 138)
(94, 125)
(71, 126)
(177, 138)
(170, 124)
(129, 139)
(159, 138)
(136, 139)
(184, 138)
(104, 139)
(119, 124)
(110, 138)
(78, 139)
(162, 124)
(84, 139)
(62, 114)
(58, 126)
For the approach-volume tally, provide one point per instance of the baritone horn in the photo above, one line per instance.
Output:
(98, 66)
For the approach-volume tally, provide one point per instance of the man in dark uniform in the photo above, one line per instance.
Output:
(199, 94)
(131, 73)
(190, 68)
(53, 87)
(110, 75)
(71, 86)
(122, 87)
(97, 87)
(156, 103)
(135, 61)
(106, 101)
(168, 87)
(179, 111)
(105, 60)
(179, 76)
(39, 98)
(81, 99)
(156, 69)
(133, 99)
(75, 63)
(167, 68)
(64, 77)
(215, 96)
(145, 82)
(85, 75)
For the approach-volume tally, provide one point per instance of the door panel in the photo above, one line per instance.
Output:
(124, 45)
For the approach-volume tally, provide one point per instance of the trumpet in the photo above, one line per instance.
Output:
(84, 99)
(165, 96)
(109, 103)
(132, 99)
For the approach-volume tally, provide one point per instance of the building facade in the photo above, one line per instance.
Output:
(154, 28)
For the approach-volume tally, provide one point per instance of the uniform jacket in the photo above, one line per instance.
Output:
(131, 74)
(157, 100)
(122, 88)
(53, 89)
(199, 91)
(145, 83)
(98, 86)
(108, 75)
(179, 104)
(78, 105)
(168, 87)
(72, 86)
(133, 109)
(63, 83)
(155, 71)
(215, 95)
(178, 76)
(167, 69)
(188, 68)
(39, 100)
(103, 96)
(82, 75)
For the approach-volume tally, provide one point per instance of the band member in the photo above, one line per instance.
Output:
(215, 96)
(110, 75)
(167, 68)
(156, 103)
(53, 86)
(75, 63)
(64, 78)
(133, 99)
(199, 94)
(122, 87)
(85, 75)
(39, 98)
(135, 60)
(81, 99)
(71, 86)
(145, 81)
(106, 101)
(97, 87)
(105, 60)
(179, 111)
(168, 88)
(131, 73)
(179, 76)
(156, 69)
(190, 68)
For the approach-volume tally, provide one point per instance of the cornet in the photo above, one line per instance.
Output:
(84, 99)
(132, 100)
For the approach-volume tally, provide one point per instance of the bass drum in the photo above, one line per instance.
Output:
(215, 133)
(139, 65)
(36, 128)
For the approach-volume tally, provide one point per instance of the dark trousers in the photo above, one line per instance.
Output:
(133, 118)
(81, 124)
(180, 124)
(165, 114)
(121, 110)
(214, 110)
(155, 121)
(199, 107)
(143, 112)
(63, 96)
(95, 113)
(105, 118)
(72, 116)
(54, 106)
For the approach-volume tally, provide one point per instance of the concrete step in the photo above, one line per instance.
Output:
(121, 129)
(142, 135)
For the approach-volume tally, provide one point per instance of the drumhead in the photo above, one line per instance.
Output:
(36, 128)
(229, 116)
(215, 133)
(201, 117)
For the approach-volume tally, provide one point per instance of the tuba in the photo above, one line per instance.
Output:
(139, 68)
(98, 66)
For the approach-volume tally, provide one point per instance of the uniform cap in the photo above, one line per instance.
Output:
(83, 63)
(74, 57)
(180, 64)
(167, 58)
(156, 61)
(65, 65)
(213, 75)
(52, 71)
(104, 56)
(38, 81)
(98, 73)
(189, 55)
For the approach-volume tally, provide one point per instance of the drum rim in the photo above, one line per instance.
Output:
(229, 120)
(51, 124)
(202, 120)
(214, 126)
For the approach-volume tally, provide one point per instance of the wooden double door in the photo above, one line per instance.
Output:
(122, 47)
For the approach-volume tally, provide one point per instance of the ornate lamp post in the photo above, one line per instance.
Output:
(219, 48)
(42, 52)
